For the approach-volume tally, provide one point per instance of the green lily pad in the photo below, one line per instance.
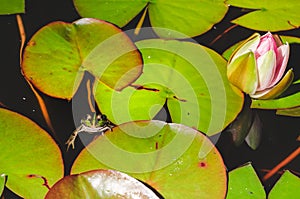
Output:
(99, 184)
(12, 7)
(296, 82)
(288, 186)
(29, 156)
(268, 16)
(281, 103)
(189, 18)
(290, 39)
(244, 183)
(293, 112)
(190, 78)
(57, 56)
(3, 179)
(178, 161)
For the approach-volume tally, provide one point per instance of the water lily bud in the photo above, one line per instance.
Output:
(258, 64)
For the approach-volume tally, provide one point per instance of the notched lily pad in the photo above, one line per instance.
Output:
(190, 18)
(12, 7)
(288, 186)
(57, 56)
(178, 161)
(268, 16)
(29, 157)
(189, 77)
(244, 183)
(100, 184)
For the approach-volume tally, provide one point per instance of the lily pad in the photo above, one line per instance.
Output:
(3, 179)
(290, 39)
(294, 112)
(100, 184)
(29, 156)
(190, 78)
(288, 186)
(268, 16)
(189, 18)
(244, 183)
(177, 161)
(297, 81)
(280, 103)
(12, 7)
(57, 56)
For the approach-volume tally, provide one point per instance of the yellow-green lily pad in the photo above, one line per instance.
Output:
(57, 56)
(29, 157)
(288, 186)
(190, 78)
(12, 7)
(244, 183)
(272, 15)
(293, 112)
(177, 161)
(188, 18)
(290, 101)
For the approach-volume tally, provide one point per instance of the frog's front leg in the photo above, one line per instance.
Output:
(71, 140)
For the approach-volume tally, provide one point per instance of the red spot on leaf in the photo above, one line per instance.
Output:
(202, 164)
(156, 145)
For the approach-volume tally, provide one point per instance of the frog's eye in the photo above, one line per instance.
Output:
(103, 117)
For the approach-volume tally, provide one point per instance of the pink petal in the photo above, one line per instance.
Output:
(266, 65)
(278, 89)
(282, 58)
(267, 43)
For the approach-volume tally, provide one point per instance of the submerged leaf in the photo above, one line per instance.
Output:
(254, 136)
(100, 184)
(177, 161)
(240, 127)
(34, 163)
